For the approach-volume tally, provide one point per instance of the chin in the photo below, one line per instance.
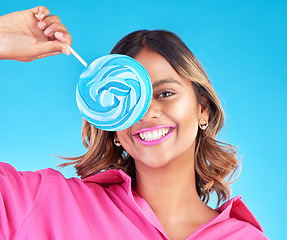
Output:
(152, 163)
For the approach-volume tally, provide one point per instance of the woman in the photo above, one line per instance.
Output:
(159, 173)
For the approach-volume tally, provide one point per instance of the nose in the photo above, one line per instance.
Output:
(153, 112)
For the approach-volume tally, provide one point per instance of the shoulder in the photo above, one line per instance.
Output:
(29, 183)
(237, 229)
(240, 220)
(9, 175)
(237, 209)
(48, 176)
(20, 194)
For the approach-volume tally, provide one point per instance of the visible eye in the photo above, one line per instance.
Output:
(164, 94)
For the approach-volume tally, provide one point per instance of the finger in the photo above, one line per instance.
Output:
(64, 37)
(46, 22)
(40, 12)
(54, 27)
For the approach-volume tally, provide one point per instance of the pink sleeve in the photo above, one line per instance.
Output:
(19, 193)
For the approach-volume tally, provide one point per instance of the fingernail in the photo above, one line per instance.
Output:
(41, 25)
(66, 51)
(48, 31)
(40, 16)
(59, 34)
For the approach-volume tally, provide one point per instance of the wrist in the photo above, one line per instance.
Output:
(3, 46)
(4, 40)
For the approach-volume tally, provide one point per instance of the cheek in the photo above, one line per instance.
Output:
(186, 116)
(184, 111)
(125, 139)
(122, 136)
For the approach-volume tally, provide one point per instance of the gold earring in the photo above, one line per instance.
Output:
(203, 124)
(117, 143)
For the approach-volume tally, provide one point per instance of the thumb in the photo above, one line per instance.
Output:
(45, 49)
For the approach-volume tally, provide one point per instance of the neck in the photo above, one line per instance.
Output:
(170, 187)
(171, 193)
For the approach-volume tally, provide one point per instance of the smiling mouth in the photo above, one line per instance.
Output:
(154, 135)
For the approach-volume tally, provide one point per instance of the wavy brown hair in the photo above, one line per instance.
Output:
(214, 160)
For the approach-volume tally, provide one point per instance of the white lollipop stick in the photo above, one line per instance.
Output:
(76, 55)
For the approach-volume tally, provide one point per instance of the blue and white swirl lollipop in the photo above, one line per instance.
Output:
(113, 92)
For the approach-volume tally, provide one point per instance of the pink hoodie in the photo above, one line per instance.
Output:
(45, 205)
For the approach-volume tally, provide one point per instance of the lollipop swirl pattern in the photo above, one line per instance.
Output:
(114, 92)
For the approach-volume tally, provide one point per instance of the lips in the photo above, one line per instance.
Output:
(154, 135)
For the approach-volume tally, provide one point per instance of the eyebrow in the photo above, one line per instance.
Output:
(163, 81)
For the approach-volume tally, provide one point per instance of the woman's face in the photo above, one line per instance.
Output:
(167, 133)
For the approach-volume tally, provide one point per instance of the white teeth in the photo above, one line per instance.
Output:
(161, 131)
(154, 135)
(149, 135)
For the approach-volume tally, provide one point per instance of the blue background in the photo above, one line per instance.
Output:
(241, 44)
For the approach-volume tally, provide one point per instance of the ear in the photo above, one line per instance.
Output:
(203, 107)
(116, 137)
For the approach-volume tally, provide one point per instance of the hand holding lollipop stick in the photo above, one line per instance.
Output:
(113, 92)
